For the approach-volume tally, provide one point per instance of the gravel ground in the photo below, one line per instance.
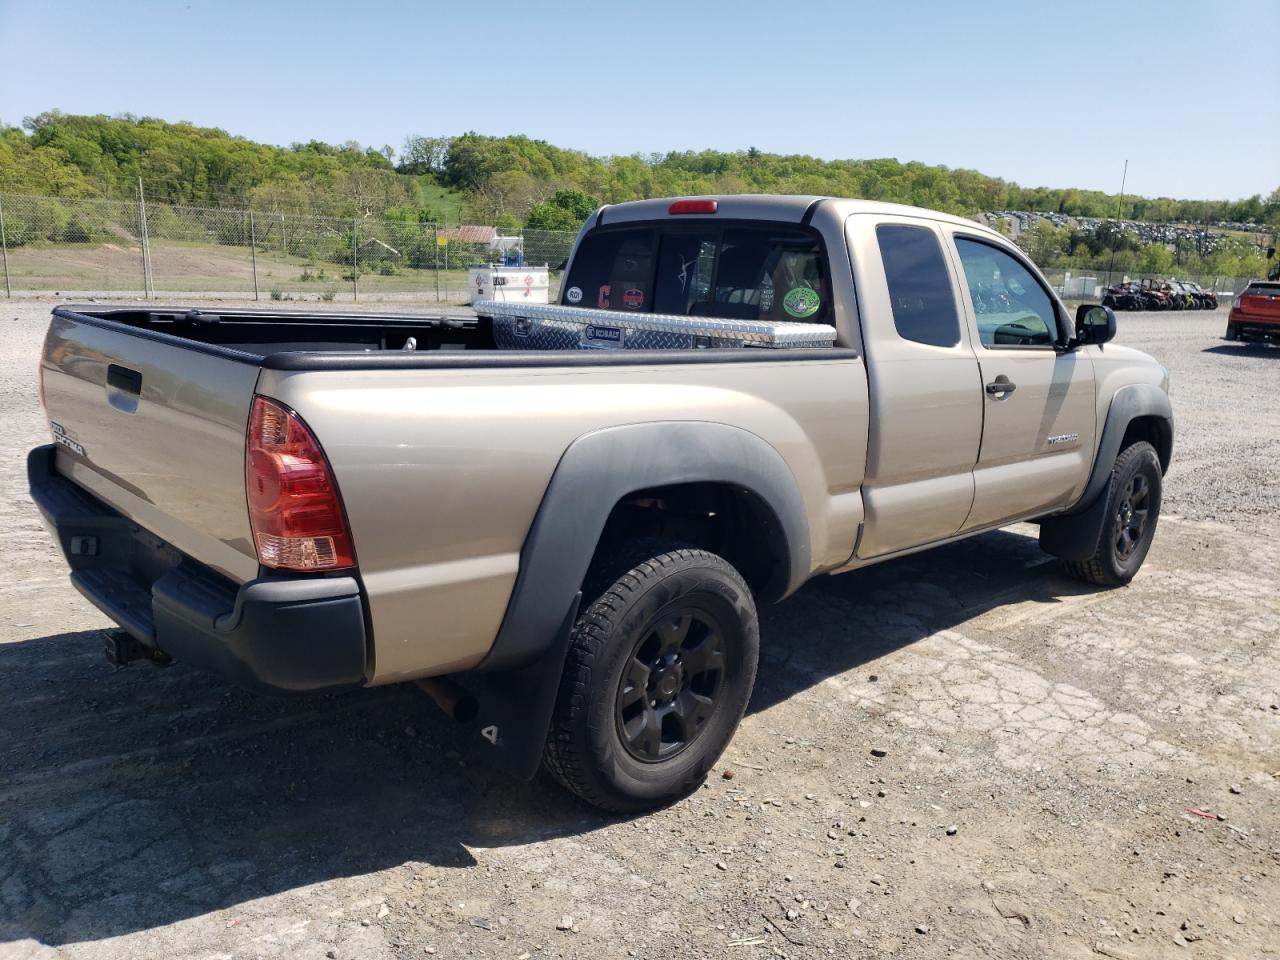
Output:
(958, 754)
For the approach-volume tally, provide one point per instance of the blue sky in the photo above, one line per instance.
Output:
(1043, 94)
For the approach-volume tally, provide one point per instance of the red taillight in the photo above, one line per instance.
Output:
(694, 206)
(294, 508)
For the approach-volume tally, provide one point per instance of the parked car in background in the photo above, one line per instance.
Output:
(1255, 313)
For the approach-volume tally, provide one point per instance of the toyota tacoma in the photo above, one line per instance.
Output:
(561, 520)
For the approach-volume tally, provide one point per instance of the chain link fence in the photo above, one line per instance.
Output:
(1090, 282)
(90, 248)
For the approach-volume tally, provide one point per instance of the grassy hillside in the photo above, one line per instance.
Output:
(504, 180)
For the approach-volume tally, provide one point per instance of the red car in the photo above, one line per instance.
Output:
(1255, 314)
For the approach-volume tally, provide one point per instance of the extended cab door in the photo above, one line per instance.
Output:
(923, 383)
(1039, 415)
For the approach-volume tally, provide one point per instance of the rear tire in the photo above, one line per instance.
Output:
(1133, 510)
(660, 668)
(1233, 332)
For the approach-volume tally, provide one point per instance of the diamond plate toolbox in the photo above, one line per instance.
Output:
(531, 326)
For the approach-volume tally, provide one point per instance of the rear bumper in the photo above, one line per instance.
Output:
(286, 633)
(1238, 318)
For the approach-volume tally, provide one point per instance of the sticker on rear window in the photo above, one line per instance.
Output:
(801, 302)
(633, 299)
(573, 294)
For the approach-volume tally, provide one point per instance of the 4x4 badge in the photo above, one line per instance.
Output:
(60, 437)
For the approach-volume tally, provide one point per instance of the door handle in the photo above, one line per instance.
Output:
(122, 378)
(1001, 387)
(124, 387)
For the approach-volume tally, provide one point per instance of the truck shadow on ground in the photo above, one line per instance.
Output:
(1245, 350)
(135, 799)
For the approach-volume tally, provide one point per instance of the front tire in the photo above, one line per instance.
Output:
(660, 668)
(1133, 509)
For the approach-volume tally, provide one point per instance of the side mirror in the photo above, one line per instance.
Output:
(1095, 324)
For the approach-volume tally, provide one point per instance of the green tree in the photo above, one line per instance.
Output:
(423, 155)
(566, 210)
(1045, 243)
(1155, 258)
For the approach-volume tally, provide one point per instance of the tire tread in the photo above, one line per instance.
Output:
(645, 563)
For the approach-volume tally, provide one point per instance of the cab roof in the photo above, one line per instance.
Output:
(785, 208)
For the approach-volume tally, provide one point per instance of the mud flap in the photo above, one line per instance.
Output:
(514, 706)
(1075, 536)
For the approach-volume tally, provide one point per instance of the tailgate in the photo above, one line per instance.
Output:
(155, 426)
(1261, 304)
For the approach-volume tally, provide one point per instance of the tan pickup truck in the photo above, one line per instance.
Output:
(567, 546)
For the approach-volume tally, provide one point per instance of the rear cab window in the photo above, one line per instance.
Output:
(733, 271)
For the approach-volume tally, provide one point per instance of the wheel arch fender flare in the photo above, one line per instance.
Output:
(1131, 402)
(601, 468)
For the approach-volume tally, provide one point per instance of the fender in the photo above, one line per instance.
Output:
(601, 468)
(516, 685)
(1073, 535)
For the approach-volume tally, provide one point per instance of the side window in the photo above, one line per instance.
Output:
(924, 305)
(1011, 307)
(612, 270)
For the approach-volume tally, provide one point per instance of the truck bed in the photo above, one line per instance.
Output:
(441, 453)
(381, 339)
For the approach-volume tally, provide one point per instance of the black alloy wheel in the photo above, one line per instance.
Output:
(671, 682)
(1133, 509)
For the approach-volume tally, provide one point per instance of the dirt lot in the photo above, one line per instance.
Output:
(1042, 745)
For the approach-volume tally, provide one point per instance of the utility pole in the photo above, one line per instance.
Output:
(435, 256)
(4, 246)
(355, 294)
(253, 247)
(148, 284)
(1115, 241)
(446, 255)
